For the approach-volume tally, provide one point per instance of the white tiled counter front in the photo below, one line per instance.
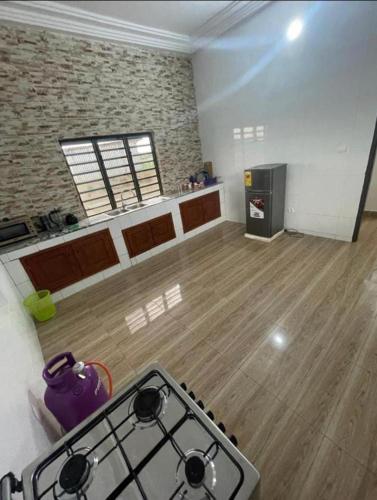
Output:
(18, 274)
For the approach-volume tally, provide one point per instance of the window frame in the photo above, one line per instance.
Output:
(102, 169)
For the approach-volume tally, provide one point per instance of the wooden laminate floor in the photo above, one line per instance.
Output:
(279, 340)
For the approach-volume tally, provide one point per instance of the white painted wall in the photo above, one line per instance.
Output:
(315, 100)
(371, 203)
(21, 435)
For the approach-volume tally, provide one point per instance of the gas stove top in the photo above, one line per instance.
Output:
(152, 441)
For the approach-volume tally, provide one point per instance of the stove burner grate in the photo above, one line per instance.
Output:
(195, 471)
(196, 474)
(148, 410)
(148, 404)
(74, 473)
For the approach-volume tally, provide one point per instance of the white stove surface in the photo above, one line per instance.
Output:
(178, 453)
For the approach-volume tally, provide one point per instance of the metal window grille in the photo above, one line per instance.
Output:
(107, 169)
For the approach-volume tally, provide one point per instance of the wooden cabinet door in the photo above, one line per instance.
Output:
(138, 239)
(162, 229)
(211, 206)
(95, 252)
(53, 268)
(192, 214)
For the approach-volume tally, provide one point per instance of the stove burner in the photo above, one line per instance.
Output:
(74, 473)
(147, 404)
(195, 471)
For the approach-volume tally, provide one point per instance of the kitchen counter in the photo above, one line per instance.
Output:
(115, 225)
(92, 221)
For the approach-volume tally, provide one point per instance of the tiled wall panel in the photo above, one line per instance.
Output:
(55, 86)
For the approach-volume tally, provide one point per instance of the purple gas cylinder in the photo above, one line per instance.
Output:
(74, 389)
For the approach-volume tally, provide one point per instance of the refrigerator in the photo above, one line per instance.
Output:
(265, 200)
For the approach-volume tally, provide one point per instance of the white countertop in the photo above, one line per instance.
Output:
(89, 225)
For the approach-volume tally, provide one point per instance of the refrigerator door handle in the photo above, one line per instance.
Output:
(255, 191)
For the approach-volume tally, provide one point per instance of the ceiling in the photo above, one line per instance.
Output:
(180, 26)
(182, 17)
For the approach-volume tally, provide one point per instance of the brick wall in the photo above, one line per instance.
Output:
(55, 86)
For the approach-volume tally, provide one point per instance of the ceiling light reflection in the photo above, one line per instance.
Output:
(278, 338)
(294, 29)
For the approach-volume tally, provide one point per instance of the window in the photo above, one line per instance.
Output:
(107, 169)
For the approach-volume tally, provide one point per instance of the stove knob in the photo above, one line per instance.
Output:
(233, 440)
(192, 395)
(221, 426)
(184, 386)
(200, 404)
(210, 415)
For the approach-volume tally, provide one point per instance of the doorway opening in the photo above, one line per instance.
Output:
(368, 198)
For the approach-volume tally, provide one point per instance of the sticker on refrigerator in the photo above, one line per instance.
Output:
(248, 178)
(257, 208)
